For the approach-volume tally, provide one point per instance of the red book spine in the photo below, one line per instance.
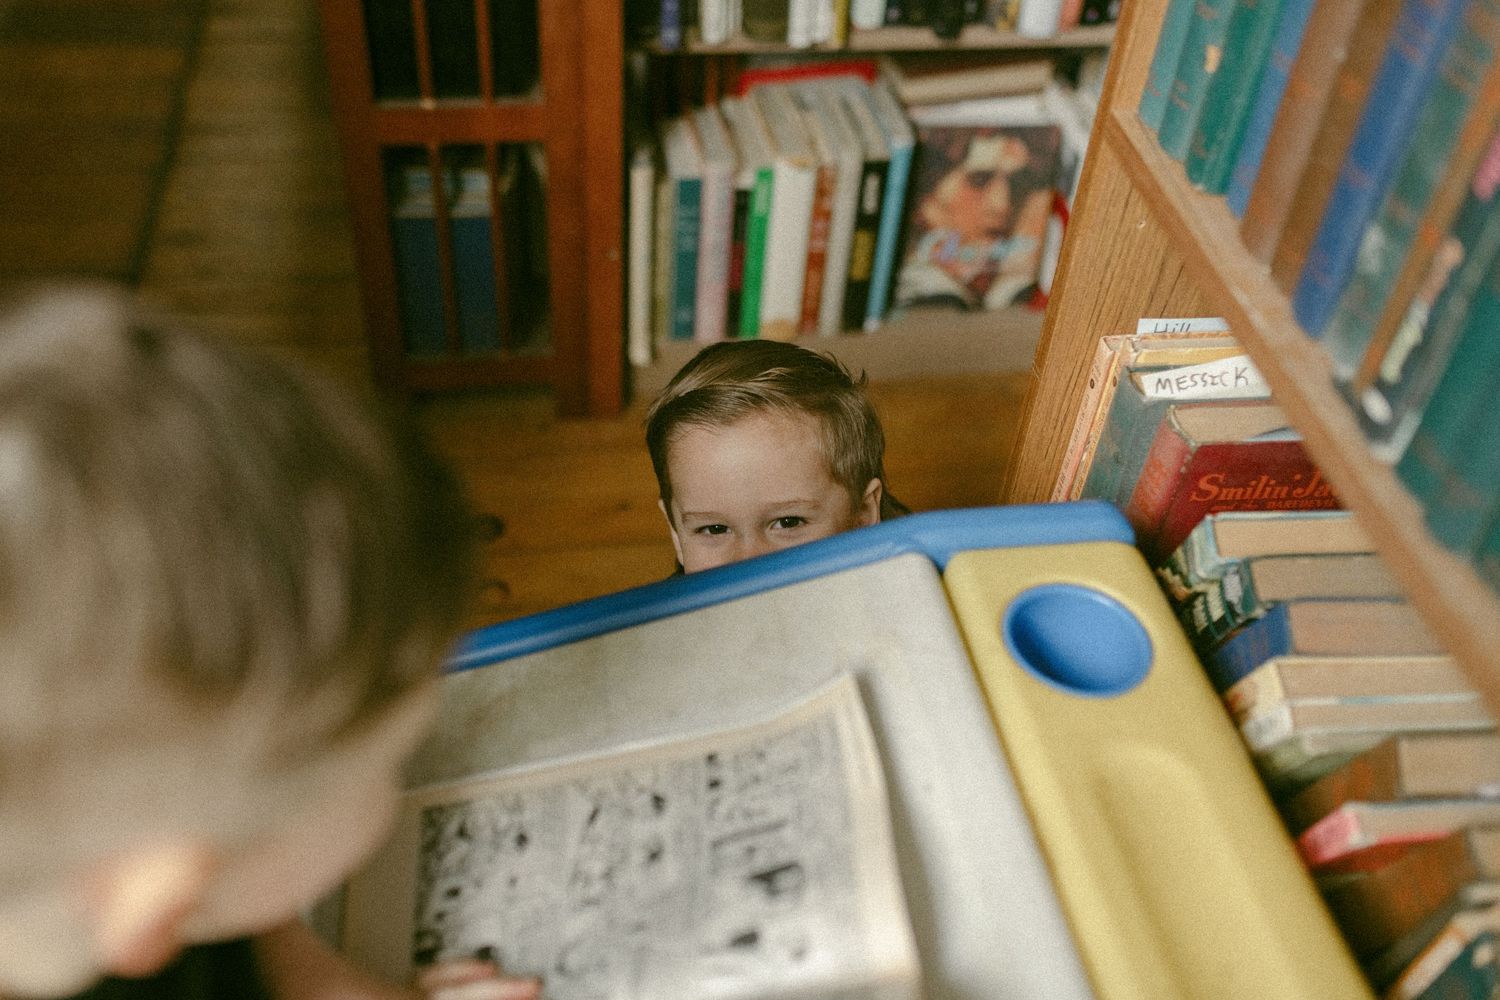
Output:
(1242, 475)
(1341, 833)
(1152, 495)
(865, 69)
(817, 249)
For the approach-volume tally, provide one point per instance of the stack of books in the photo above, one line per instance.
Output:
(815, 200)
(827, 23)
(1358, 144)
(1382, 757)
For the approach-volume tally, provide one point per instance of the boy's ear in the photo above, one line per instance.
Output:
(869, 504)
(139, 900)
(676, 542)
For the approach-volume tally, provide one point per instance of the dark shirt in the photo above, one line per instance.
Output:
(225, 970)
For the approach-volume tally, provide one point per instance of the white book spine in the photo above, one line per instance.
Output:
(716, 220)
(786, 250)
(638, 262)
(714, 21)
(1038, 18)
(867, 14)
(840, 243)
(822, 22)
(800, 19)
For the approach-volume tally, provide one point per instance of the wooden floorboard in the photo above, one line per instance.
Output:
(241, 228)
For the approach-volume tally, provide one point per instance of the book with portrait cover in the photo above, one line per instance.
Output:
(980, 200)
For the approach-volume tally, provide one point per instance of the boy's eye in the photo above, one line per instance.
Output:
(713, 529)
(791, 521)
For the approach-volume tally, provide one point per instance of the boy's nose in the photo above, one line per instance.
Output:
(753, 545)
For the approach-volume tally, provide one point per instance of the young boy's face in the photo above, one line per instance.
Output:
(754, 486)
(63, 937)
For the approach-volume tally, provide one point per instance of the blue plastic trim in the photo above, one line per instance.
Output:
(936, 534)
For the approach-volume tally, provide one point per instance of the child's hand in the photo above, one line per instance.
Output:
(474, 979)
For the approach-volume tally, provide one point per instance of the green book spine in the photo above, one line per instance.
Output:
(1442, 446)
(1202, 51)
(756, 228)
(1128, 432)
(1386, 243)
(1174, 30)
(685, 254)
(1231, 94)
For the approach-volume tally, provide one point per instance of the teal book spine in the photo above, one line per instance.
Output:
(1388, 239)
(1174, 31)
(892, 211)
(1231, 94)
(756, 227)
(1123, 444)
(1435, 460)
(685, 257)
(1202, 51)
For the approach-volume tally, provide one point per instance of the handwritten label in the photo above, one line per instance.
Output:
(1226, 378)
(1200, 324)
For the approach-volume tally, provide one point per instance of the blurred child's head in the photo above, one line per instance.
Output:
(760, 445)
(225, 590)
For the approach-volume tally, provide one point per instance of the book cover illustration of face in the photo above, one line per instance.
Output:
(980, 202)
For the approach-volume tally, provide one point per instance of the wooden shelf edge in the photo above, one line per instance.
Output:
(918, 344)
(904, 39)
(1461, 610)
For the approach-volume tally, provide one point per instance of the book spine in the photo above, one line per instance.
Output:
(862, 243)
(1226, 105)
(1443, 467)
(1071, 15)
(1202, 51)
(1248, 648)
(1341, 832)
(1329, 143)
(1454, 125)
(1285, 45)
(757, 228)
(714, 27)
(1412, 366)
(474, 285)
(1088, 426)
(786, 250)
(638, 264)
(1458, 963)
(1370, 777)
(1152, 495)
(840, 28)
(419, 289)
(669, 30)
(1375, 910)
(867, 15)
(840, 245)
(1128, 434)
(1406, 75)
(895, 12)
(947, 18)
(817, 249)
(1248, 475)
(716, 224)
(685, 257)
(800, 19)
(739, 228)
(1039, 18)
(662, 278)
(1214, 610)
(892, 209)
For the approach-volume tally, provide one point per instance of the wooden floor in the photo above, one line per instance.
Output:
(186, 147)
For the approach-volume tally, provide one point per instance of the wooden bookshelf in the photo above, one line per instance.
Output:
(974, 37)
(918, 343)
(1144, 242)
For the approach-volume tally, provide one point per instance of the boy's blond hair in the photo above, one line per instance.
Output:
(730, 380)
(208, 562)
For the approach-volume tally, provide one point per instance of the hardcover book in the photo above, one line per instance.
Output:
(980, 201)
(1217, 134)
(846, 150)
(1321, 628)
(1285, 45)
(1248, 590)
(1220, 544)
(901, 142)
(1455, 125)
(795, 167)
(939, 77)
(683, 164)
(1400, 89)
(716, 224)
(1208, 457)
(1412, 765)
(1163, 70)
(757, 181)
(1284, 679)
(1374, 909)
(1327, 146)
(1202, 54)
(1356, 825)
(1462, 961)
(1430, 949)
(872, 181)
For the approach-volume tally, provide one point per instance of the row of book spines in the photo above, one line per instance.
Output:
(1412, 140)
(828, 23)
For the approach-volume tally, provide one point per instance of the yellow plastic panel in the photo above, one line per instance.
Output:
(1172, 866)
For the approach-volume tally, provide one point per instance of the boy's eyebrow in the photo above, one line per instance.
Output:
(790, 502)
